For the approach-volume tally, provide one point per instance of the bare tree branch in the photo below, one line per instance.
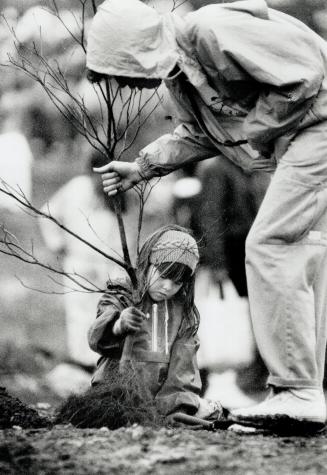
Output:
(22, 200)
(111, 130)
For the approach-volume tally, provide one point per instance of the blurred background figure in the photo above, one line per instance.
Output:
(16, 161)
(159, 205)
(228, 205)
(219, 202)
(81, 206)
(186, 192)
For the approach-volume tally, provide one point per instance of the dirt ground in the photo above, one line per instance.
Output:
(134, 450)
(138, 450)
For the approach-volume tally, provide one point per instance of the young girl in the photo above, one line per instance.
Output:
(159, 334)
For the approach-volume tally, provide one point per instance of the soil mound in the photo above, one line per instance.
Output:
(14, 412)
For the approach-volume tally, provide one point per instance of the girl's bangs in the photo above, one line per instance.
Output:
(174, 271)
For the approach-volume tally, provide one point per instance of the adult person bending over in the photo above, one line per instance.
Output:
(248, 82)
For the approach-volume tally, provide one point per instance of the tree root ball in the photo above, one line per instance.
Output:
(113, 404)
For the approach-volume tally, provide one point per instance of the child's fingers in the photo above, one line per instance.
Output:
(133, 317)
(135, 320)
(138, 312)
(133, 326)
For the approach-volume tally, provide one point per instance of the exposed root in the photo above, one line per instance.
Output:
(117, 403)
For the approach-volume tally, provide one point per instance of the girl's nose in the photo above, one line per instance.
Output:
(168, 285)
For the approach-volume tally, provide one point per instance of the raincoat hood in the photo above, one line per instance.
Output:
(129, 38)
(256, 8)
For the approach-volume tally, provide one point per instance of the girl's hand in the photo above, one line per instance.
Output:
(130, 321)
(119, 176)
(208, 408)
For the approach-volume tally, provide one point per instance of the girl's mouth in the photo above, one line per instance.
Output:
(161, 295)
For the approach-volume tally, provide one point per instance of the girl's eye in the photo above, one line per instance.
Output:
(178, 282)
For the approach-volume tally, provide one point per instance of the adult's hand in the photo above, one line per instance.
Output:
(119, 176)
(130, 321)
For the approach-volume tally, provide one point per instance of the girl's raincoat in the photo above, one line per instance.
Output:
(163, 351)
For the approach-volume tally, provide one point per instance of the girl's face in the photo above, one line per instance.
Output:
(160, 288)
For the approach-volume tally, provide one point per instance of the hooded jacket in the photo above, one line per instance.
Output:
(249, 76)
(169, 370)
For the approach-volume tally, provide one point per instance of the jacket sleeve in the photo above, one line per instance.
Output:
(187, 144)
(100, 335)
(180, 391)
(283, 63)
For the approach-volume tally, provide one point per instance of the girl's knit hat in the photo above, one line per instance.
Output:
(175, 246)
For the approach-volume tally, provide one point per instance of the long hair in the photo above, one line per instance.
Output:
(173, 270)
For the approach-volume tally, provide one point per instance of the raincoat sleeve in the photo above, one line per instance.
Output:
(100, 335)
(283, 62)
(180, 391)
(187, 144)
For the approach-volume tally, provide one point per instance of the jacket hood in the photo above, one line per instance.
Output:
(257, 8)
(129, 38)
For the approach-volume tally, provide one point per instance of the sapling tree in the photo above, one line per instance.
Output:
(111, 131)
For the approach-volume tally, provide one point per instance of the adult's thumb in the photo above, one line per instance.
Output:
(105, 168)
